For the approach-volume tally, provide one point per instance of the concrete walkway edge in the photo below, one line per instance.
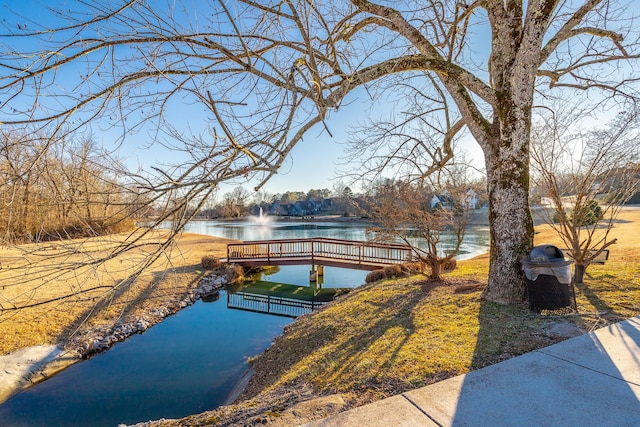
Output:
(589, 380)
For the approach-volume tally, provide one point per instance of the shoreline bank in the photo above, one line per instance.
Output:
(28, 366)
(477, 217)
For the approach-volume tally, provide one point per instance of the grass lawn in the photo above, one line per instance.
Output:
(392, 336)
(31, 274)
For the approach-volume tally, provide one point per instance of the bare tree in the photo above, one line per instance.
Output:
(262, 197)
(270, 71)
(421, 216)
(587, 177)
(65, 191)
(234, 203)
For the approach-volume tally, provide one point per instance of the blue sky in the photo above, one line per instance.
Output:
(313, 163)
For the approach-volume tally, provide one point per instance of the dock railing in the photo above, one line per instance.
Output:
(318, 250)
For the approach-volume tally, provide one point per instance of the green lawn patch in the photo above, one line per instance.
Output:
(391, 336)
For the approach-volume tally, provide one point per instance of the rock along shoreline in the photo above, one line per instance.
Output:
(25, 367)
(92, 341)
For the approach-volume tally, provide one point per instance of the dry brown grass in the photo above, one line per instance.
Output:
(614, 287)
(626, 229)
(32, 274)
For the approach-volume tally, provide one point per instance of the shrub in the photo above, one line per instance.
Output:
(393, 270)
(588, 214)
(413, 267)
(450, 264)
(210, 262)
(375, 275)
(235, 274)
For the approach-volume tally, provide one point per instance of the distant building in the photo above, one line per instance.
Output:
(442, 201)
(298, 208)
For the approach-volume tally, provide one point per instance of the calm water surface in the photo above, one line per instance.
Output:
(476, 240)
(187, 364)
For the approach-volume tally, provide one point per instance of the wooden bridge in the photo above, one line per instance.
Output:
(319, 251)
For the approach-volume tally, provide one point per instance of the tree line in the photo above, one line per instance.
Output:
(240, 202)
(65, 190)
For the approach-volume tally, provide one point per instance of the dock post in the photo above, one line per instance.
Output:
(313, 275)
(321, 270)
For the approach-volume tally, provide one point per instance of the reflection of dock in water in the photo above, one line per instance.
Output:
(281, 299)
(272, 304)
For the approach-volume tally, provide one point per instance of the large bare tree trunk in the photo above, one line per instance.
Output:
(513, 66)
(512, 227)
(507, 153)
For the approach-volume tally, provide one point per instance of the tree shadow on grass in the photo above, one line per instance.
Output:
(590, 292)
(318, 350)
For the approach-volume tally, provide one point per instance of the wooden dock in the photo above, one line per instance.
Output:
(319, 251)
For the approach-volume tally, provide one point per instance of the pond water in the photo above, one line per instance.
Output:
(192, 361)
(187, 364)
(299, 274)
(476, 239)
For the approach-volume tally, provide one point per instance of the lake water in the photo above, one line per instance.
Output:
(476, 240)
(191, 361)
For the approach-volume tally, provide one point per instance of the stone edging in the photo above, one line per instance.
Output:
(96, 340)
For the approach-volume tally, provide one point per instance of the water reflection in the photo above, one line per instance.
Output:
(334, 277)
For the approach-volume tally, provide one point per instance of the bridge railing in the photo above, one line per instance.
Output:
(318, 249)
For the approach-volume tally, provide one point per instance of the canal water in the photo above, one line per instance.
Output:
(187, 364)
(191, 361)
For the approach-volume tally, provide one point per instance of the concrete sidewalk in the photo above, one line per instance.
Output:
(590, 380)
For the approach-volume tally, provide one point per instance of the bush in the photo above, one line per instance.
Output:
(210, 262)
(390, 271)
(413, 267)
(450, 264)
(234, 274)
(375, 275)
(588, 214)
(393, 270)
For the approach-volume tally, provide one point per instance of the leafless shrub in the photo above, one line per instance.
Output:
(393, 270)
(584, 179)
(210, 262)
(375, 276)
(235, 273)
(414, 267)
